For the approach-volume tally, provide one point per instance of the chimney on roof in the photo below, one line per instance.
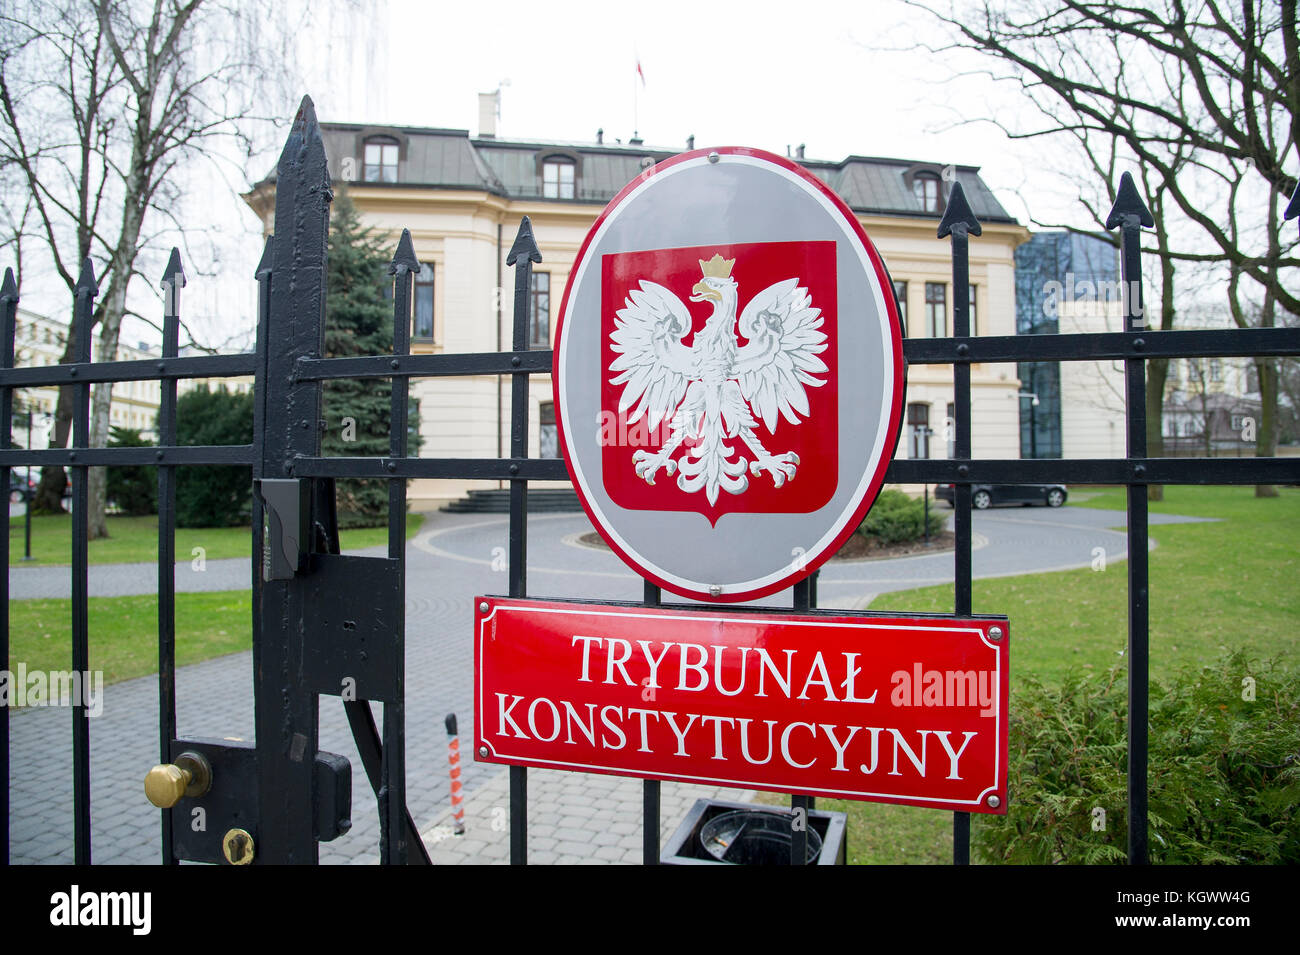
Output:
(600, 136)
(690, 142)
(487, 114)
(798, 151)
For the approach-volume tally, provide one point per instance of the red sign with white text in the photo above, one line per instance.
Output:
(909, 710)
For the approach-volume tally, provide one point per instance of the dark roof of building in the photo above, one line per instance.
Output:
(453, 159)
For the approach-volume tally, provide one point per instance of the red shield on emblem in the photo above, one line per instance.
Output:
(719, 389)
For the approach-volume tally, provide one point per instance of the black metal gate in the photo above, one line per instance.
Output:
(321, 619)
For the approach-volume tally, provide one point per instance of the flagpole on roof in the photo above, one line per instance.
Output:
(636, 117)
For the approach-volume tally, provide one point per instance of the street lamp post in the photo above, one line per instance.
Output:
(925, 488)
(27, 496)
(27, 492)
(1033, 422)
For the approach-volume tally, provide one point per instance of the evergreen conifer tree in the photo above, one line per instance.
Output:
(358, 321)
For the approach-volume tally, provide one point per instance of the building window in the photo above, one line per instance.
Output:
(558, 178)
(918, 428)
(925, 186)
(548, 434)
(381, 160)
(539, 324)
(1252, 379)
(1216, 370)
(900, 296)
(936, 309)
(974, 324)
(422, 305)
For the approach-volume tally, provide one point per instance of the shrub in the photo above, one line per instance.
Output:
(134, 490)
(1223, 772)
(216, 496)
(896, 518)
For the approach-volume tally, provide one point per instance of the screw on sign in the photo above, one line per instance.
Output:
(728, 374)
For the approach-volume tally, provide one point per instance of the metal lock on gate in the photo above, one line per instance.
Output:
(211, 789)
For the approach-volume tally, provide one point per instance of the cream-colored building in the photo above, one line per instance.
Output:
(40, 340)
(462, 197)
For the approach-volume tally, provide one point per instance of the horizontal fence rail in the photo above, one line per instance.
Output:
(291, 284)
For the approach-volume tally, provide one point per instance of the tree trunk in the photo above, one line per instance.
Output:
(1266, 432)
(54, 481)
(1157, 374)
(114, 307)
(100, 415)
(1158, 368)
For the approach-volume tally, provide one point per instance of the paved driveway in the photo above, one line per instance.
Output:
(455, 558)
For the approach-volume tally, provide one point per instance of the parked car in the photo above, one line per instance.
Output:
(986, 495)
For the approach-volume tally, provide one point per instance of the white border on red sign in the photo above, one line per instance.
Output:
(974, 628)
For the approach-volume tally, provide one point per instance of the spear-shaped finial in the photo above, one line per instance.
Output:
(525, 244)
(9, 288)
(86, 280)
(404, 258)
(303, 134)
(958, 212)
(174, 274)
(523, 254)
(173, 281)
(1128, 202)
(1293, 207)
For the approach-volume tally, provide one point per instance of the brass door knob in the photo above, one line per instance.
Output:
(166, 784)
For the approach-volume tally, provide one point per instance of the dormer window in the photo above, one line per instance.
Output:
(558, 178)
(925, 187)
(381, 160)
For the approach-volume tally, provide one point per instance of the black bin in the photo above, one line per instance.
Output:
(729, 833)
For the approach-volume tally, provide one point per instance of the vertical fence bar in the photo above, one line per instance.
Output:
(173, 281)
(650, 788)
(263, 276)
(960, 223)
(8, 329)
(394, 848)
(523, 254)
(805, 598)
(85, 291)
(1130, 215)
(286, 713)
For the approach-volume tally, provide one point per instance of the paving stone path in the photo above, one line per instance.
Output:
(574, 817)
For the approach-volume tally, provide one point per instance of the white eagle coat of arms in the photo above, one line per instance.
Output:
(715, 390)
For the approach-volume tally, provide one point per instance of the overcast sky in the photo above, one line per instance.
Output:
(759, 73)
(841, 77)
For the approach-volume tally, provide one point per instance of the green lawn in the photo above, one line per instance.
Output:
(134, 540)
(1230, 583)
(1227, 583)
(124, 631)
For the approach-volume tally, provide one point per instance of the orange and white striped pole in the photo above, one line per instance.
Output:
(453, 759)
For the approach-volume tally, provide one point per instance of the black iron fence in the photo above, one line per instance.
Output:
(294, 538)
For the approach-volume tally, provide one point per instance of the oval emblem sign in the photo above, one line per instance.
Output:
(728, 374)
